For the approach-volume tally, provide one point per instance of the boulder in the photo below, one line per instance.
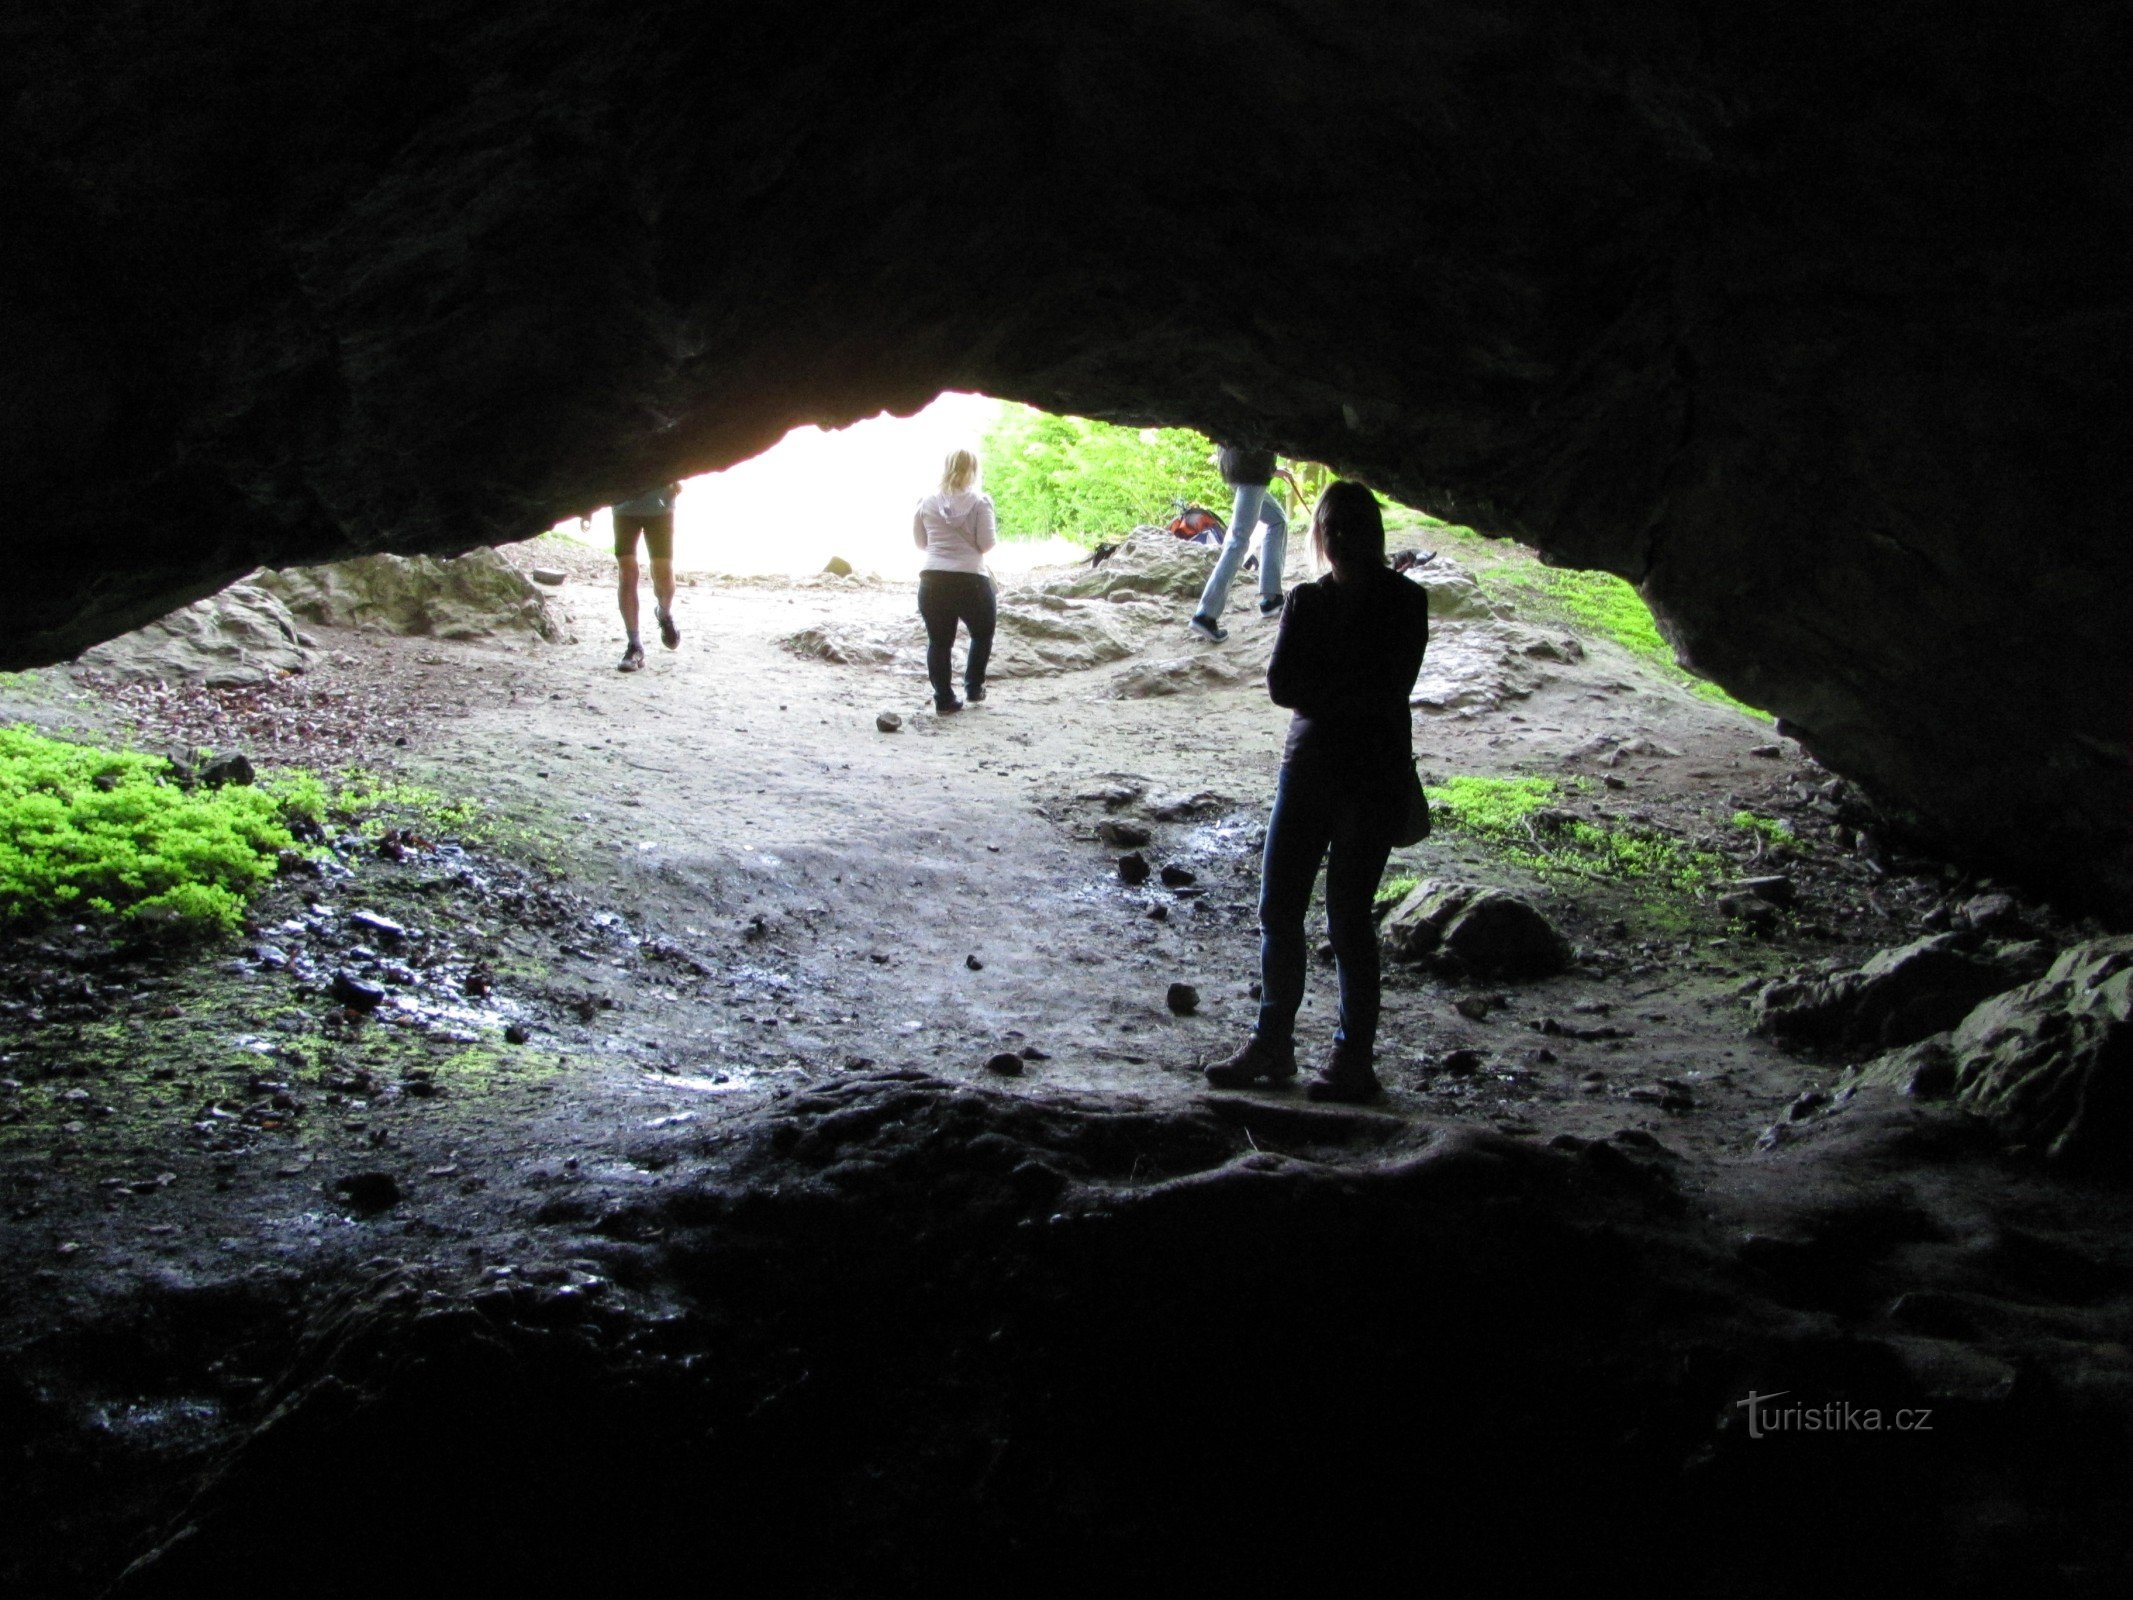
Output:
(2049, 1063)
(1898, 997)
(1475, 667)
(1150, 561)
(240, 637)
(1153, 679)
(1490, 932)
(474, 596)
(1453, 593)
(1041, 634)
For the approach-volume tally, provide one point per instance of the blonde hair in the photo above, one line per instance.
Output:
(959, 471)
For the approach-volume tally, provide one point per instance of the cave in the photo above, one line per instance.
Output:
(1807, 321)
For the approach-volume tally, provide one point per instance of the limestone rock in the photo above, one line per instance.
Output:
(1153, 678)
(841, 647)
(474, 596)
(2048, 1063)
(1041, 633)
(2051, 1063)
(242, 636)
(1490, 932)
(1454, 595)
(1150, 561)
(1475, 667)
(1896, 998)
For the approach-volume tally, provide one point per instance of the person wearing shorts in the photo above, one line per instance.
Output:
(650, 516)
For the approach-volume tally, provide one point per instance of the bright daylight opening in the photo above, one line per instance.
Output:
(823, 493)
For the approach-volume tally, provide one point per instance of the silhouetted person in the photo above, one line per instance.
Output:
(954, 526)
(1345, 661)
(1250, 473)
(649, 514)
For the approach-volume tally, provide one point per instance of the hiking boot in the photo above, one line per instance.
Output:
(1256, 1061)
(974, 693)
(669, 635)
(1270, 608)
(1207, 628)
(948, 707)
(632, 659)
(1345, 1081)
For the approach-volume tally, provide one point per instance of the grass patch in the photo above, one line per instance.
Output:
(87, 831)
(1516, 818)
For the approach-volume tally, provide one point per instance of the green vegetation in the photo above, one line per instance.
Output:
(1776, 835)
(1087, 480)
(372, 802)
(1515, 817)
(1601, 603)
(111, 833)
(1392, 891)
(1490, 808)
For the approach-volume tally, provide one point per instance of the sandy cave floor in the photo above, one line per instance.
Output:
(721, 892)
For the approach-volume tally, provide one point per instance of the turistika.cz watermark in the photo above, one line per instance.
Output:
(1833, 1416)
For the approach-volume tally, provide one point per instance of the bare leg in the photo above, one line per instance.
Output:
(663, 593)
(626, 593)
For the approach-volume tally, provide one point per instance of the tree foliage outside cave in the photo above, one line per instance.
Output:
(1089, 480)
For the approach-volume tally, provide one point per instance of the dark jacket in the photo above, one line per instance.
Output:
(1242, 465)
(1345, 662)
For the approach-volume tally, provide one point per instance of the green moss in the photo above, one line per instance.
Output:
(1513, 817)
(86, 831)
(1775, 834)
(1391, 892)
(375, 803)
(1490, 808)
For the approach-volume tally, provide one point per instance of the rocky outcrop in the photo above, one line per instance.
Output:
(476, 596)
(2050, 1063)
(1897, 997)
(1752, 307)
(240, 637)
(1490, 933)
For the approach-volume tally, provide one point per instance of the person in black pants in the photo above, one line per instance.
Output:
(955, 527)
(1345, 661)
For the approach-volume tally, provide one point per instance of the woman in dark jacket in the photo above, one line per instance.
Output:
(1345, 662)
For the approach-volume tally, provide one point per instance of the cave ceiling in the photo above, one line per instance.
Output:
(1811, 319)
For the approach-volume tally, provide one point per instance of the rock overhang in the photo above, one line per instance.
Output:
(1758, 312)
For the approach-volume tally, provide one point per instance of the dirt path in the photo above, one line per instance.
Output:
(738, 798)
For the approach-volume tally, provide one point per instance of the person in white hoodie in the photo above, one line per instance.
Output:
(954, 526)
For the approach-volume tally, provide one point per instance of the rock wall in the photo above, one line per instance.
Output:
(1811, 319)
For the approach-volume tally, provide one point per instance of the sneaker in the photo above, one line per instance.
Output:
(947, 708)
(975, 693)
(1270, 608)
(1255, 1061)
(1344, 1082)
(669, 635)
(1207, 628)
(632, 659)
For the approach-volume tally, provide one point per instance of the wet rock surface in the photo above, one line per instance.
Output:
(1897, 998)
(2049, 1064)
(1058, 1288)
